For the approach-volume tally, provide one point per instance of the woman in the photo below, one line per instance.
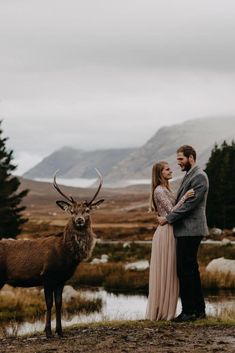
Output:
(163, 281)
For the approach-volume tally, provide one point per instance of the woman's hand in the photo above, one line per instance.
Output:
(161, 220)
(189, 193)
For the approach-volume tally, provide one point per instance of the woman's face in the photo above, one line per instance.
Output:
(167, 172)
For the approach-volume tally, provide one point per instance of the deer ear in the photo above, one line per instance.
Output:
(64, 205)
(97, 204)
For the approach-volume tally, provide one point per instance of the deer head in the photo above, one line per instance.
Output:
(80, 211)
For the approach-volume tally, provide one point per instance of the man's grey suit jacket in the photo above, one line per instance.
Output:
(190, 218)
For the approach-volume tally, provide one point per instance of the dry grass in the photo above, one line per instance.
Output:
(127, 282)
(113, 277)
(208, 252)
(19, 304)
(117, 253)
(226, 315)
(217, 280)
(94, 275)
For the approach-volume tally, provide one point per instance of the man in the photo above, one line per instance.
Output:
(189, 223)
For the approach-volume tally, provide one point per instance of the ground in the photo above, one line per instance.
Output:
(123, 216)
(140, 336)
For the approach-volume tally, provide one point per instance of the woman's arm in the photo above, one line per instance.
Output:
(187, 195)
(163, 200)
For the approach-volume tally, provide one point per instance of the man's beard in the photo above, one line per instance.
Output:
(187, 167)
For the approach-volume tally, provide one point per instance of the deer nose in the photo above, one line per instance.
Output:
(80, 221)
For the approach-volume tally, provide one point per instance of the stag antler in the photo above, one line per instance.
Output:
(69, 198)
(99, 187)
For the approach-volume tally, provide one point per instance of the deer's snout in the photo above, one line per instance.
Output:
(80, 221)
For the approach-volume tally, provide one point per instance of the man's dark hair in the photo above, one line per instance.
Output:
(187, 151)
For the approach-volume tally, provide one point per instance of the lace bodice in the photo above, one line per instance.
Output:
(165, 200)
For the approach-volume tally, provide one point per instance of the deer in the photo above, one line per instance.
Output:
(50, 261)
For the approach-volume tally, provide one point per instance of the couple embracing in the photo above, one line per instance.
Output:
(182, 224)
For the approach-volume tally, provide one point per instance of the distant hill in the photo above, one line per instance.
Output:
(44, 192)
(122, 164)
(74, 163)
(202, 134)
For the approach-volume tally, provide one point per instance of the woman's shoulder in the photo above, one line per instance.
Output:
(160, 189)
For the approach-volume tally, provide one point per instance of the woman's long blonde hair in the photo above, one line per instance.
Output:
(157, 179)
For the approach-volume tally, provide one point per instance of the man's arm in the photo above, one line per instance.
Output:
(200, 186)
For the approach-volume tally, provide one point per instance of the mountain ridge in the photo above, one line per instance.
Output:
(136, 163)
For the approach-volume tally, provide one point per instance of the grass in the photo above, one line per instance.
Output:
(208, 252)
(20, 304)
(135, 252)
(117, 252)
(129, 324)
(217, 280)
(94, 275)
(114, 278)
(136, 324)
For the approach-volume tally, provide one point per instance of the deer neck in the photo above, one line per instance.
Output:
(79, 242)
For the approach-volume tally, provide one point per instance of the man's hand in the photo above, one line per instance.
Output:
(162, 220)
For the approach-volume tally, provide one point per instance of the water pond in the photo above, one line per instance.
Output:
(122, 307)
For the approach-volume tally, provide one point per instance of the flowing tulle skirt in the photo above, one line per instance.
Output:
(163, 281)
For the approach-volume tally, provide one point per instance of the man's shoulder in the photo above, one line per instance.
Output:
(200, 171)
(199, 174)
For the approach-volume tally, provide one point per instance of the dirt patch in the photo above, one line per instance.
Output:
(137, 337)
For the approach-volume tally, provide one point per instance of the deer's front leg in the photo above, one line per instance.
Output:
(48, 292)
(58, 304)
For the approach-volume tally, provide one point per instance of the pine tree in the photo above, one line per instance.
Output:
(221, 198)
(11, 218)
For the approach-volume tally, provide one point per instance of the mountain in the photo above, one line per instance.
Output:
(74, 163)
(118, 165)
(202, 134)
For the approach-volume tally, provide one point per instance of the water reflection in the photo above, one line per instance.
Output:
(121, 307)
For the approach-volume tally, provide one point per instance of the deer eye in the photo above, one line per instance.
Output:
(87, 209)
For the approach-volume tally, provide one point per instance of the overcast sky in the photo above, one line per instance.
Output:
(109, 73)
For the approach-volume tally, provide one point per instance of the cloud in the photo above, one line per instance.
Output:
(56, 35)
(99, 74)
(24, 161)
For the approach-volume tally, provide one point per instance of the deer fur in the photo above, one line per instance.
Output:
(50, 261)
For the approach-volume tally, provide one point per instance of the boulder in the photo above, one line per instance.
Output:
(221, 265)
(126, 245)
(216, 231)
(138, 265)
(104, 259)
(69, 293)
(225, 242)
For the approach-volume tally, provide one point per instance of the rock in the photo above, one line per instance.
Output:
(69, 293)
(221, 265)
(52, 214)
(216, 231)
(138, 265)
(104, 259)
(126, 245)
(225, 242)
